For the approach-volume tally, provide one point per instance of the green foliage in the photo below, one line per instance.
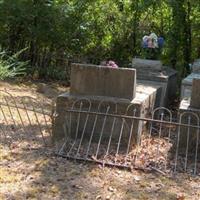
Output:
(53, 73)
(95, 30)
(10, 66)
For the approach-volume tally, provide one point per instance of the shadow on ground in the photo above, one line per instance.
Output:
(31, 171)
(39, 174)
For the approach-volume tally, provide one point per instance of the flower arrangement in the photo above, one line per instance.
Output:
(152, 46)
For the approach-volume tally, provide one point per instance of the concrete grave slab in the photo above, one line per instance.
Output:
(160, 91)
(143, 103)
(190, 105)
(196, 66)
(103, 81)
(147, 64)
(195, 96)
(186, 109)
(153, 72)
(113, 86)
(186, 86)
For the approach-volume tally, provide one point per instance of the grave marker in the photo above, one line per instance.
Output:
(195, 96)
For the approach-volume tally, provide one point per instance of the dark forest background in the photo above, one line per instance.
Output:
(42, 37)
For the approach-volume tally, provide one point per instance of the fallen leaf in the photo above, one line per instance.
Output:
(180, 197)
(111, 189)
(98, 197)
(77, 186)
(137, 178)
(107, 197)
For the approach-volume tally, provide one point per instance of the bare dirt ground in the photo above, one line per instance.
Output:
(39, 174)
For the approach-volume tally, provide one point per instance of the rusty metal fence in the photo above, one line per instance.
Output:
(24, 121)
(104, 135)
(130, 141)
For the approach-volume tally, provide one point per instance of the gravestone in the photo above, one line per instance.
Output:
(190, 107)
(146, 64)
(195, 96)
(100, 83)
(153, 72)
(186, 86)
(93, 80)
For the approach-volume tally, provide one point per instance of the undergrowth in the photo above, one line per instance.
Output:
(11, 66)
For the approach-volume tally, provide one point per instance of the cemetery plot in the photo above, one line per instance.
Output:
(159, 146)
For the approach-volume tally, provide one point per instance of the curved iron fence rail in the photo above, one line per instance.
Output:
(105, 135)
(161, 142)
(24, 121)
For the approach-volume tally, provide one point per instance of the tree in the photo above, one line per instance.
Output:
(93, 30)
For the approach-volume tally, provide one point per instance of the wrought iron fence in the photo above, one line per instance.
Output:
(24, 121)
(127, 140)
(106, 135)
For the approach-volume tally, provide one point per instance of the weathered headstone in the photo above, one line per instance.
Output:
(147, 64)
(103, 81)
(190, 109)
(156, 74)
(195, 96)
(97, 84)
(186, 86)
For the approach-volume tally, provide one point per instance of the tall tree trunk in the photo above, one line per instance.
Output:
(187, 38)
(135, 26)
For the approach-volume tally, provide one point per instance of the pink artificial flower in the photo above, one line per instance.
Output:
(150, 43)
(111, 64)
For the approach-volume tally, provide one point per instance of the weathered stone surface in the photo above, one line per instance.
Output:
(97, 84)
(103, 81)
(195, 96)
(143, 103)
(146, 64)
(186, 109)
(186, 86)
(164, 77)
(196, 66)
(189, 79)
(160, 91)
(190, 103)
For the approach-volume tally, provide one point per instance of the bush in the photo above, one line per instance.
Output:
(10, 66)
